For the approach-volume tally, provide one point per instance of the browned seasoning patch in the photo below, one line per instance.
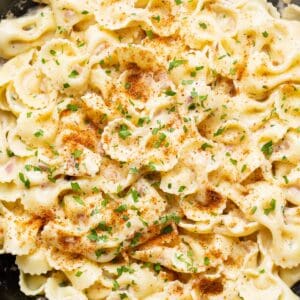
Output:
(138, 87)
(212, 200)
(86, 137)
(210, 286)
(167, 240)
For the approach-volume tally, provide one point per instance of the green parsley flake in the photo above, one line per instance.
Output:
(181, 188)
(77, 153)
(135, 239)
(102, 226)
(286, 180)
(75, 186)
(219, 131)
(271, 207)
(9, 153)
(124, 132)
(135, 195)
(205, 146)
(73, 74)
(121, 208)
(78, 273)
(149, 34)
(206, 261)
(203, 25)
(127, 85)
(170, 92)
(39, 133)
(25, 181)
(72, 107)
(78, 200)
(253, 210)
(176, 63)
(167, 229)
(156, 18)
(267, 149)
(157, 267)
(162, 136)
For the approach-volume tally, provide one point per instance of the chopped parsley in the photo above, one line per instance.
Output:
(206, 261)
(25, 181)
(66, 85)
(99, 252)
(39, 133)
(152, 166)
(178, 2)
(253, 210)
(267, 149)
(135, 239)
(157, 267)
(121, 208)
(203, 25)
(286, 180)
(124, 132)
(244, 168)
(167, 229)
(102, 226)
(78, 273)
(73, 74)
(9, 153)
(78, 200)
(181, 188)
(116, 285)
(265, 34)
(135, 195)
(124, 269)
(75, 186)
(219, 131)
(176, 63)
(156, 18)
(84, 12)
(170, 92)
(271, 207)
(149, 34)
(77, 153)
(127, 85)
(93, 236)
(205, 146)
(72, 107)
(133, 170)
(233, 161)
(162, 136)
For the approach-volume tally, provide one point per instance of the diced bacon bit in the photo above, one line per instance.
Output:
(69, 13)
(9, 168)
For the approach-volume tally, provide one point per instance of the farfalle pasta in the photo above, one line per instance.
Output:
(149, 149)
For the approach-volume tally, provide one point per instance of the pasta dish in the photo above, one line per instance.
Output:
(150, 149)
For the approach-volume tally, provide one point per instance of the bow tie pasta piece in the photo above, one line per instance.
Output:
(149, 149)
(20, 35)
(71, 14)
(32, 285)
(61, 54)
(34, 263)
(57, 287)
